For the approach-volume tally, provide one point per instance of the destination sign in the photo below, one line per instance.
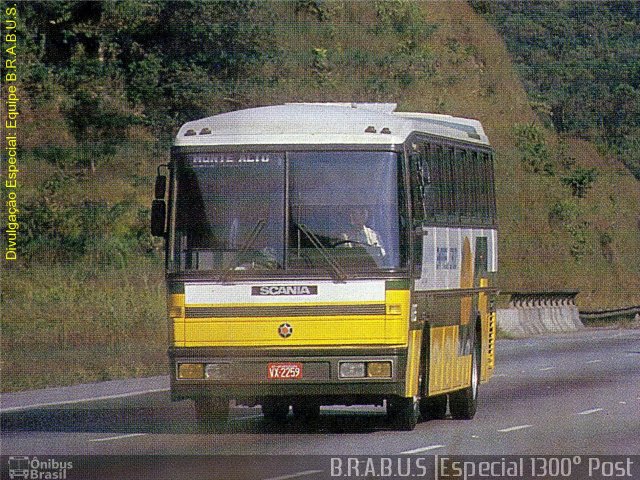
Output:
(235, 158)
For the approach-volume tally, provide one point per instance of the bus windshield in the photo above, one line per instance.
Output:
(234, 213)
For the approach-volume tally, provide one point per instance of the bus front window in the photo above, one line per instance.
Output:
(343, 212)
(348, 201)
(230, 212)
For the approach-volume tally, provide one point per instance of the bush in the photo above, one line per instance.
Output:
(532, 145)
(98, 233)
(580, 180)
(564, 212)
(320, 66)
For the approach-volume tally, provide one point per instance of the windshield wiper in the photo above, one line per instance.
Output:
(335, 268)
(243, 249)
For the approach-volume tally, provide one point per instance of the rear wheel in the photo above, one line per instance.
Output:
(464, 403)
(275, 410)
(211, 411)
(403, 412)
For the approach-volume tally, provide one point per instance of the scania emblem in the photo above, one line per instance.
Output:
(285, 330)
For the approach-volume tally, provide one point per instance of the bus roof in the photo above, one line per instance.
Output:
(324, 124)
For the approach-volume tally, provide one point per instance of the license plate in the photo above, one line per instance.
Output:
(284, 371)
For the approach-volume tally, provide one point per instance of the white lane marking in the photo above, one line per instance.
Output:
(513, 429)
(593, 361)
(589, 412)
(500, 375)
(423, 449)
(118, 437)
(622, 403)
(547, 368)
(80, 400)
(295, 475)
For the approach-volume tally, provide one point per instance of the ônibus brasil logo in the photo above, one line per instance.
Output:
(49, 469)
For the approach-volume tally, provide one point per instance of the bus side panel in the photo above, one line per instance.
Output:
(488, 328)
(414, 356)
(448, 370)
(175, 312)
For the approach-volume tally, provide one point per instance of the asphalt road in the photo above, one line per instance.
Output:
(570, 394)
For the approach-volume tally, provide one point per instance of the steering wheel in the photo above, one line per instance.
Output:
(342, 242)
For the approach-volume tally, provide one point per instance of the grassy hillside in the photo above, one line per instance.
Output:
(100, 315)
(460, 65)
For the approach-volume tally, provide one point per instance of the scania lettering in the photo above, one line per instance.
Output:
(329, 254)
(285, 290)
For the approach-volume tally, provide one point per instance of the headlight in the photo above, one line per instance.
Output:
(216, 371)
(352, 370)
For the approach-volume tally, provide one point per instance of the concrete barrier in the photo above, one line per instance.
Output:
(537, 313)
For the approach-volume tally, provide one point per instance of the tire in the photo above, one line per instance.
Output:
(275, 410)
(464, 403)
(306, 412)
(211, 412)
(403, 413)
(433, 408)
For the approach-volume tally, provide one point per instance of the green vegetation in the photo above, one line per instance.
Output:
(73, 323)
(580, 180)
(533, 147)
(104, 85)
(580, 63)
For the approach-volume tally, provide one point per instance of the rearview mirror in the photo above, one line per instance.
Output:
(158, 218)
(161, 186)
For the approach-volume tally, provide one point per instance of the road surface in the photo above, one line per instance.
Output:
(569, 394)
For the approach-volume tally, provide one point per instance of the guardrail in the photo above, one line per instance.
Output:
(612, 314)
(546, 298)
(535, 313)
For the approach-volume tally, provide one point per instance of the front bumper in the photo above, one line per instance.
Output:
(243, 375)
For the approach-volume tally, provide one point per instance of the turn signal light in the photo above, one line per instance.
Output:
(191, 371)
(379, 369)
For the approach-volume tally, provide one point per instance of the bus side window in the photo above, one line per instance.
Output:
(439, 180)
(429, 193)
(417, 186)
(450, 186)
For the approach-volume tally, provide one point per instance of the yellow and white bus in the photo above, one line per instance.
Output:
(330, 254)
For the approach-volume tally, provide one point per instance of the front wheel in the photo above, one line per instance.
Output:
(403, 412)
(211, 411)
(464, 403)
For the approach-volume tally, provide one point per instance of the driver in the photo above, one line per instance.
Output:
(359, 232)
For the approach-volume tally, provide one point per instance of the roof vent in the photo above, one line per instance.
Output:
(370, 129)
(386, 131)
(205, 131)
(189, 133)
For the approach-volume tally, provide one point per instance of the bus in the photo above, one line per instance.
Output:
(329, 254)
